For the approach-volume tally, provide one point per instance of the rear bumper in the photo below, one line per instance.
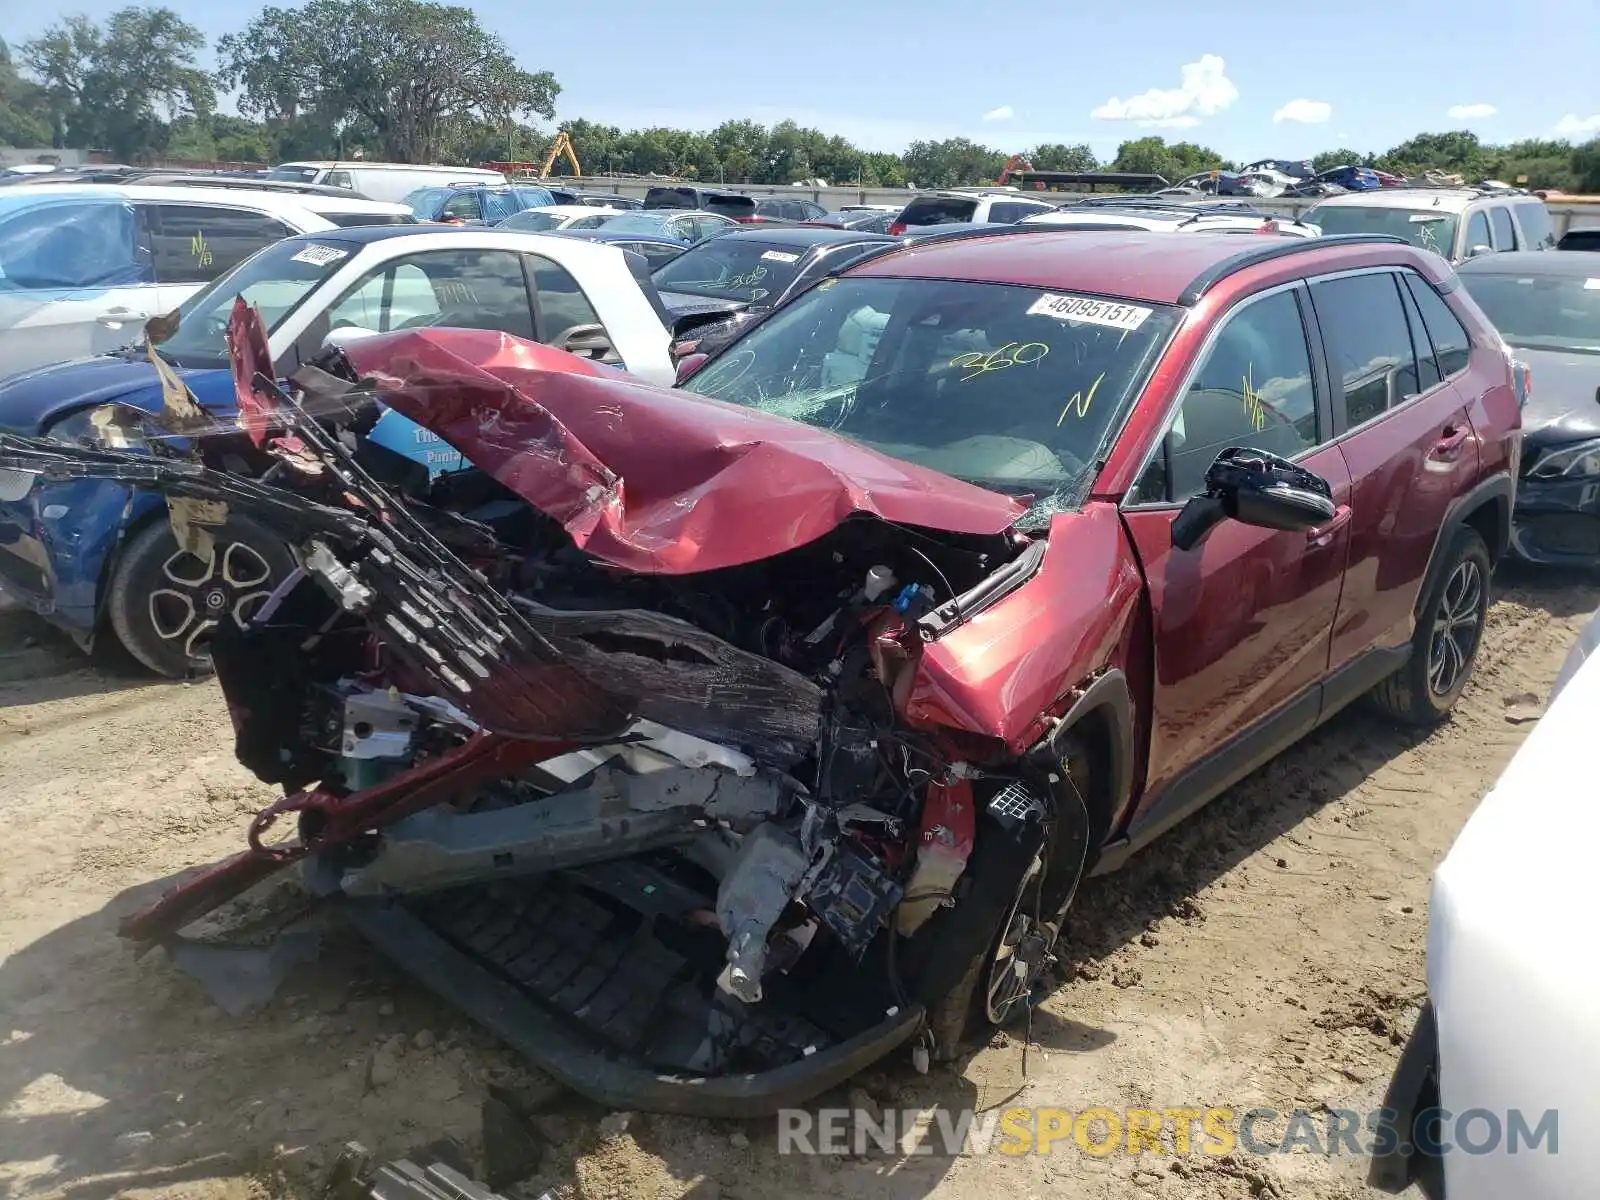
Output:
(586, 1065)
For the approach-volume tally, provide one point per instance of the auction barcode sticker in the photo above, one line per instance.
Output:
(1087, 309)
(782, 256)
(320, 256)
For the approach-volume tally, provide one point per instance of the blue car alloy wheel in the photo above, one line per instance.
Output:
(164, 602)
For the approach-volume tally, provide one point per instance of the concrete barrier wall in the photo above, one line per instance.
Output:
(1567, 216)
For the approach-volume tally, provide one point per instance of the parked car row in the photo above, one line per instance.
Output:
(706, 278)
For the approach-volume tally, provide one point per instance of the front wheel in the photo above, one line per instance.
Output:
(164, 602)
(974, 966)
(1444, 648)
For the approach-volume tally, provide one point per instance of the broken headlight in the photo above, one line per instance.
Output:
(112, 426)
(1577, 461)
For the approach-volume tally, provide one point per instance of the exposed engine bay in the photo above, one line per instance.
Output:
(676, 819)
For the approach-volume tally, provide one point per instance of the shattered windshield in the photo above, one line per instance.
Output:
(1007, 387)
(276, 280)
(1427, 228)
(732, 269)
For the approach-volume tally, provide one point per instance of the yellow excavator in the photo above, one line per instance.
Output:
(527, 170)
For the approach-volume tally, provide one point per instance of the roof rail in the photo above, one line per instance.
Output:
(1169, 204)
(1275, 248)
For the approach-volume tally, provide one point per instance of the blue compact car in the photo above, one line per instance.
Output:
(90, 555)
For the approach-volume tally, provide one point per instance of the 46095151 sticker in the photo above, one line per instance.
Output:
(1090, 311)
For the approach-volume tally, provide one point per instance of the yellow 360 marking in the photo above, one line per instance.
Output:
(1012, 354)
(1080, 401)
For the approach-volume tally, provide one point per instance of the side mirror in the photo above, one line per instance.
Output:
(1474, 251)
(345, 334)
(1256, 488)
(689, 364)
(587, 341)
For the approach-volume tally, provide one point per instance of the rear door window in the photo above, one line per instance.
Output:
(470, 289)
(1010, 211)
(1368, 342)
(61, 247)
(558, 299)
(497, 206)
(1427, 374)
(1505, 234)
(1451, 345)
(195, 243)
(939, 210)
(464, 206)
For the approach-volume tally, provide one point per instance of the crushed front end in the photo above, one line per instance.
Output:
(662, 830)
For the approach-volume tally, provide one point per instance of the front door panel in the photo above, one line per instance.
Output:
(1240, 624)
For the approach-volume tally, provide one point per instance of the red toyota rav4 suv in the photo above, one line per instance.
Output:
(968, 571)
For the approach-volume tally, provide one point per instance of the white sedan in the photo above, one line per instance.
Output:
(558, 216)
(83, 265)
(1504, 1055)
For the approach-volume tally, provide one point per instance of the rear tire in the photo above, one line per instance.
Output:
(163, 602)
(1444, 648)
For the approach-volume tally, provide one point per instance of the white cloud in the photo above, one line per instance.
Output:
(1003, 113)
(1306, 112)
(1573, 125)
(1205, 91)
(1471, 112)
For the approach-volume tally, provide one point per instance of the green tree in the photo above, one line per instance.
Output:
(1534, 163)
(883, 170)
(956, 162)
(1152, 156)
(1458, 152)
(119, 86)
(1586, 166)
(1330, 159)
(1058, 157)
(412, 70)
(24, 110)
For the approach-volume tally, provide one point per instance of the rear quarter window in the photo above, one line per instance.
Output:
(939, 210)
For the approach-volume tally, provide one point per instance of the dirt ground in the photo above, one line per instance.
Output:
(1268, 953)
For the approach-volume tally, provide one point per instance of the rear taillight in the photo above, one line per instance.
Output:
(1522, 381)
(897, 229)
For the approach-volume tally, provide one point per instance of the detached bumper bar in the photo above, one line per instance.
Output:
(589, 1068)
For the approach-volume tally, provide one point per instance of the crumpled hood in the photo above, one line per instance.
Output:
(652, 479)
(1565, 405)
(32, 399)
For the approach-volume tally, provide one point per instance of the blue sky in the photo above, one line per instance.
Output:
(1247, 79)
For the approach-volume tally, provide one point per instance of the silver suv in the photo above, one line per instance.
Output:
(1457, 223)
